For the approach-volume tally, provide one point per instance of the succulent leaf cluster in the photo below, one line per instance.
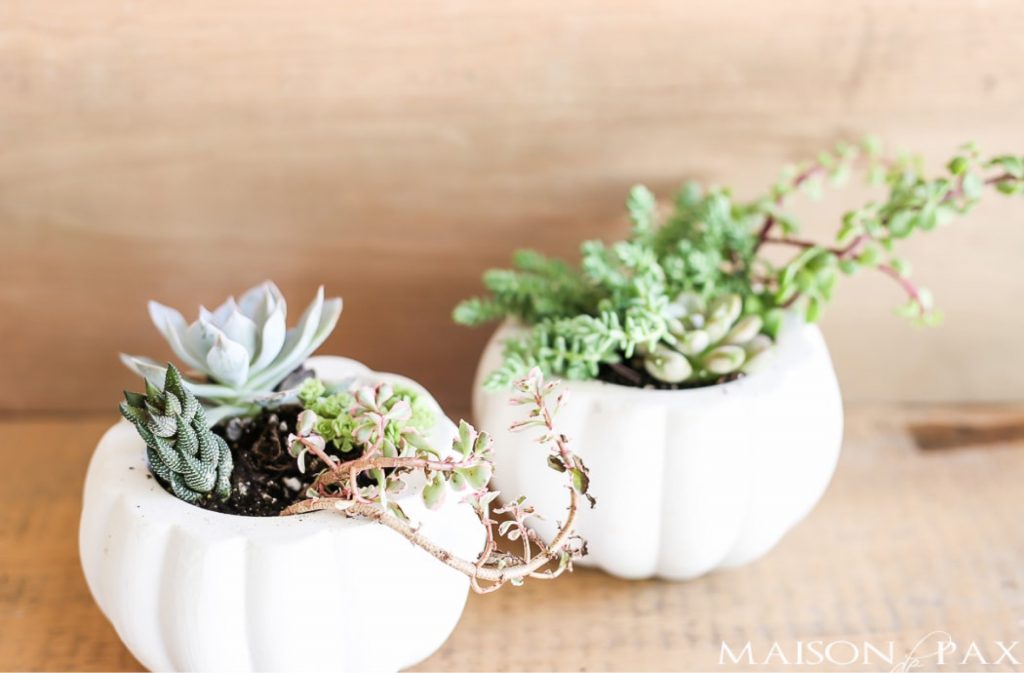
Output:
(181, 449)
(243, 350)
(392, 421)
(470, 447)
(623, 297)
(333, 416)
(393, 454)
(710, 340)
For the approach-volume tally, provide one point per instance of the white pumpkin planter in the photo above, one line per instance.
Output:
(189, 589)
(686, 481)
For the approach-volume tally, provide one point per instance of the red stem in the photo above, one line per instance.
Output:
(769, 222)
(912, 291)
(843, 253)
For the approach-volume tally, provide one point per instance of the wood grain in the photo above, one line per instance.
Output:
(905, 542)
(183, 151)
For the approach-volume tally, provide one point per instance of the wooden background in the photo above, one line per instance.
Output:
(183, 151)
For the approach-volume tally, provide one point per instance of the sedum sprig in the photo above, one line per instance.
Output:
(394, 453)
(626, 297)
(868, 235)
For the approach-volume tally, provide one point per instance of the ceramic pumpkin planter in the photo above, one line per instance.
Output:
(704, 400)
(191, 589)
(265, 510)
(736, 465)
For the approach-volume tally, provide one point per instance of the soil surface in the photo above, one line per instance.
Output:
(265, 479)
(631, 373)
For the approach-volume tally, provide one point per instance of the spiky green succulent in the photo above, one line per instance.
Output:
(710, 340)
(180, 447)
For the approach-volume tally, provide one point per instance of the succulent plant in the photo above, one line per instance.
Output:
(590, 321)
(181, 449)
(712, 340)
(243, 348)
(383, 453)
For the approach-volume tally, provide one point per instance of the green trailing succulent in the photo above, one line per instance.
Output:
(332, 416)
(390, 456)
(181, 449)
(642, 301)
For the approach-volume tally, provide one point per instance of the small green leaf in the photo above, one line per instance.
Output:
(827, 282)
(927, 219)
(580, 480)
(944, 214)
(812, 187)
(909, 309)
(813, 310)
(306, 422)
(847, 232)
(773, 322)
(901, 223)
(482, 443)
(1009, 188)
(434, 492)
(477, 476)
(870, 256)
(457, 481)
(1013, 165)
(724, 359)
(464, 444)
(958, 166)
(805, 281)
(848, 266)
(972, 186)
(641, 206)
(555, 463)
(932, 319)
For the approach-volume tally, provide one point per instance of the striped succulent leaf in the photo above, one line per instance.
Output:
(181, 450)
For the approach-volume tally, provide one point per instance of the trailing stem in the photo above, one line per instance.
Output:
(468, 470)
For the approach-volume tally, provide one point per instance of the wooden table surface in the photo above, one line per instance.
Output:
(922, 529)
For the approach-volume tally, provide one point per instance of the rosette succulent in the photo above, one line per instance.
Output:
(711, 340)
(241, 351)
(181, 449)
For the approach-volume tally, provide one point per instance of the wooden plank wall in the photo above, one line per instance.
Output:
(392, 151)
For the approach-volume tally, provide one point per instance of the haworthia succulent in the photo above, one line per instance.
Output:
(181, 449)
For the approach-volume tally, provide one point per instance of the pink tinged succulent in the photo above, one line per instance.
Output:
(243, 347)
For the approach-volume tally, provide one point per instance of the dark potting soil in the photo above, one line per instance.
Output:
(631, 373)
(266, 478)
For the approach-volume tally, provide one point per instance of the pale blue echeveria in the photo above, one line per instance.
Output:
(242, 350)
